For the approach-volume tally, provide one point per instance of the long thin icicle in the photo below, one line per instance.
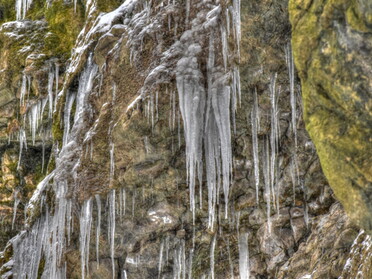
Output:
(255, 120)
(111, 234)
(98, 227)
(274, 136)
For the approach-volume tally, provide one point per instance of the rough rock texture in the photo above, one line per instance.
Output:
(332, 44)
(132, 162)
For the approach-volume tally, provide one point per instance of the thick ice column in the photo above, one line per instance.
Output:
(21, 7)
(243, 256)
(85, 228)
(22, 144)
(191, 95)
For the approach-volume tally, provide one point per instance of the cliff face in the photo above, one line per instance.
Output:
(170, 143)
(332, 44)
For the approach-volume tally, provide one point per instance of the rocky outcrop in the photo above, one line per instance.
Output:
(332, 43)
(116, 200)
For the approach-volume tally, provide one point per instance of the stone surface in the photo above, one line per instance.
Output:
(332, 43)
(149, 177)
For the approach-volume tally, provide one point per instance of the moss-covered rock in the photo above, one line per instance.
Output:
(332, 43)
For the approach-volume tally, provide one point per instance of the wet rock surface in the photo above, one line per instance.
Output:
(135, 161)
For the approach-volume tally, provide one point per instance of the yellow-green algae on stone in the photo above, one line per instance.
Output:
(332, 45)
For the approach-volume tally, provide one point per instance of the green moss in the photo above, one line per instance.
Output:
(57, 130)
(334, 85)
(37, 10)
(355, 20)
(64, 25)
(107, 5)
(7, 10)
(41, 268)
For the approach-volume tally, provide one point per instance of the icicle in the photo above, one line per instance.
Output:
(266, 172)
(69, 221)
(33, 119)
(15, 206)
(179, 259)
(112, 163)
(43, 151)
(237, 24)
(306, 213)
(294, 164)
(24, 90)
(152, 109)
(160, 267)
(85, 227)
(56, 87)
(230, 260)
(22, 144)
(213, 247)
(133, 203)
(254, 121)
(50, 92)
(191, 256)
(30, 245)
(225, 49)
(173, 111)
(98, 226)
(191, 94)
(157, 105)
(112, 229)
(85, 86)
(292, 169)
(243, 256)
(21, 8)
(67, 115)
(57, 228)
(274, 139)
(290, 66)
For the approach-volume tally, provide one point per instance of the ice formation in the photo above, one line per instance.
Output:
(111, 233)
(98, 225)
(255, 126)
(207, 100)
(205, 110)
(243, 256)
(274, 142)
(47, 236)
(21, 7)
(360, 256)
(85, 228)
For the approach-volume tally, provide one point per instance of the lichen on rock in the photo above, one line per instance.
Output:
(332, 44)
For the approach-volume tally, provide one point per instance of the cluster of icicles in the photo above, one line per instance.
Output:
(22, 6)
(206, 113)
(34, 120)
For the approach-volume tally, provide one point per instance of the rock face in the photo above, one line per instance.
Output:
(332, 44)
(148, 98)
